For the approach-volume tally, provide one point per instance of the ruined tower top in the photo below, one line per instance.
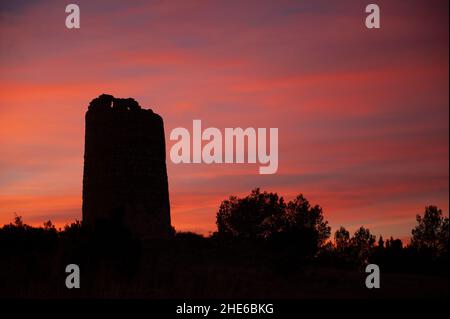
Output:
(125, 176)
(107, 102)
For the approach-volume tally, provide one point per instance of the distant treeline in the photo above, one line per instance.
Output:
(301, 227)
(296, 229)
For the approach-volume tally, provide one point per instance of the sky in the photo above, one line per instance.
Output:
(362, 113)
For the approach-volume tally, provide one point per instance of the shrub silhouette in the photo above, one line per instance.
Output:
(18, 236)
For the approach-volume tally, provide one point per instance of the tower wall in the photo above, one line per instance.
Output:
(125, 175)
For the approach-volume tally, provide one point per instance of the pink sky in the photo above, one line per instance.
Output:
(362, 114)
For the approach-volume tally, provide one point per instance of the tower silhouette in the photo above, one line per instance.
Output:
(125, 175)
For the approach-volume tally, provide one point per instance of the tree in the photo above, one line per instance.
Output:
(263, 215)
(362, 242)
(48, 225)
(18, 221)
(342, 239)
(431, 233)
(395, 244)
(304, 218)
(255, 216)
(380, 242)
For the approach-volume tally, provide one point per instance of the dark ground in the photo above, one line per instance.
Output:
(197, 268)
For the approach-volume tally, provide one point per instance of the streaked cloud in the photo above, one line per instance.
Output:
(362, 115)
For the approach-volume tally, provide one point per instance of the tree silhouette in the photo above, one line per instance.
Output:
(255, 216)
(263, 215)
(302, 217)
(342, 239)
(48, 225)
(18, 222)
(362, 242)
(264, 235)
(431, 233)
(394, 244)
(380, 243)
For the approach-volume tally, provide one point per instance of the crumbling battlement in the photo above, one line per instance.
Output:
(106, 102)
(125, 175)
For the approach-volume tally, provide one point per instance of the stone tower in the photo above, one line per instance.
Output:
(125, 176)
